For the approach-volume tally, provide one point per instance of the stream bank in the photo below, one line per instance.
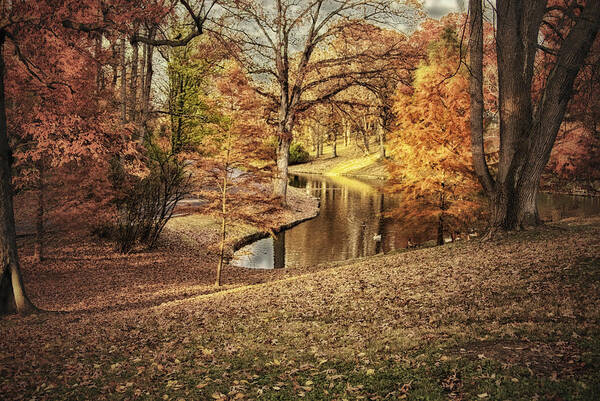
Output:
(201, 231)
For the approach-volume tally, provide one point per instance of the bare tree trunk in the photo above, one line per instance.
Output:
(133, 82)
(440, 231)
(551, 111)
(516, 43)
(476, 91)
(381, 142)
(334, 144)
(38, 254)
(365, 135)
(123, 83)
(147, 89)
(283, 155)
(526, 140)
(13, 297)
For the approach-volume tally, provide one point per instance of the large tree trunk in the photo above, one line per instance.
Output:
(526, 140)
(281, 178)
(13, 297)
(286, 127)
(516, 39)
(551, 110)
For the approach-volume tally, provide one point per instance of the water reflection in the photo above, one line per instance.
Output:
(266, 253)
(351, 225)
(553, 207)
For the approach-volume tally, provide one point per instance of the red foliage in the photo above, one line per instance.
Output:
(59, 119)
(576, 153)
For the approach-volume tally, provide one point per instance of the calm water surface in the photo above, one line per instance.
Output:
(350, 224)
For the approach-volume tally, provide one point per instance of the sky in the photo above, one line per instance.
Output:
(438, 8)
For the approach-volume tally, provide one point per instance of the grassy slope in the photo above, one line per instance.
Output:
(515, 319)
(350, 161)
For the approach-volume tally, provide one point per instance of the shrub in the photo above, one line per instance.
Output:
(298, 154)
(147, 203)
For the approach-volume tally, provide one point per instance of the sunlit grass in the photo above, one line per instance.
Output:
(352, 165)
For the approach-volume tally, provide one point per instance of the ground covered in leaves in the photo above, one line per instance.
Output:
(82, 273)
(517, 318)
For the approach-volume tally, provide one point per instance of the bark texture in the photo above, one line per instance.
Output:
(527, 130)
(476, 92)
(13, 297)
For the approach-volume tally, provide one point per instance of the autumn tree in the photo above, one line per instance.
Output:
(54, 129)
(576, 154)
(59, 50)
(236, 169)
(529, 123)
(276, 42)
(429, 166)
(189, 70)
(394, 70)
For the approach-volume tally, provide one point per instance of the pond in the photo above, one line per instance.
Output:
(350, 224)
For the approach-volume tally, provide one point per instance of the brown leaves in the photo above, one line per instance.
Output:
(337, 329)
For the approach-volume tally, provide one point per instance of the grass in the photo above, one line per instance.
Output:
(517, 319)
(352, 165)
(350, 161)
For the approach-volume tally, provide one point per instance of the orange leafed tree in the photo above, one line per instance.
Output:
(430, 159)
(236, 173)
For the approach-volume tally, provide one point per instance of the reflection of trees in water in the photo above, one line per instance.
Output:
(352, 213)
(279, 250)
(351, 219)
(553, 207)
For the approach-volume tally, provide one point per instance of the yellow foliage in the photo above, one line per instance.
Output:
(430, 145)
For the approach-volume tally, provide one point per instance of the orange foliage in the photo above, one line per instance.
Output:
(430, 145)
(238, 164)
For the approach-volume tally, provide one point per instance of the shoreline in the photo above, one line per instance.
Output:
(308, 215)
(301, 207)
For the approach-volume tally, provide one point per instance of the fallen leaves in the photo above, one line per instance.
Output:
(362, 332)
